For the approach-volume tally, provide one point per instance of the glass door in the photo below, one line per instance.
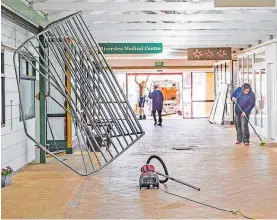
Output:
(202, 94)
(272, 101)
(260, 111)
(198, 94)
(187, 93)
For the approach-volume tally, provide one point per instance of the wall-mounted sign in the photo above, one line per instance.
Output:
(131, 48)
(159, 63)
(223, 53)
(244, 3)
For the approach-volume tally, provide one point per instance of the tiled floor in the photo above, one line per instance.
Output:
(230, 176)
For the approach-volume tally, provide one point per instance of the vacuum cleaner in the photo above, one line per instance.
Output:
(150, 177)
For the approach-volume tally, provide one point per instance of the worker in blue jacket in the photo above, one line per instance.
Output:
(157, 104)
(245, 98)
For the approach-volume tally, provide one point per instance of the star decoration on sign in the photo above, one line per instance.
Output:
(197, 54)
(221, 53)
(209, 54)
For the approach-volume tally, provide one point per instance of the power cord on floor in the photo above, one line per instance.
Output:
(235, 212)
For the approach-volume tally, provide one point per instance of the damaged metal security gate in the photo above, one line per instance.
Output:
(81, 92)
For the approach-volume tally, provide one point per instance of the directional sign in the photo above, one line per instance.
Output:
(131, 48)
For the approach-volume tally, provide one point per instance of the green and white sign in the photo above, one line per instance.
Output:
(159, 63)
(131, 48)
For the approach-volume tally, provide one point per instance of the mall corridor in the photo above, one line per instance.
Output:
(81, 81)
(230, 177)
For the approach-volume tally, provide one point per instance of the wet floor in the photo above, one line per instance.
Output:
(230, 177)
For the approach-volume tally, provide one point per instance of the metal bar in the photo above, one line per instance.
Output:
(72, 64)
(76, 131)
(102, 55)
(71, 67)
(106, 76)
(109, 96)
(81, 122)
(53, 86)
(42, 104)
(107, 107)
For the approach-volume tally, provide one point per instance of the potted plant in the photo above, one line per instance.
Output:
(6, 176)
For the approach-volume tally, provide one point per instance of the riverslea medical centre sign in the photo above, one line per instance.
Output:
(131, 48)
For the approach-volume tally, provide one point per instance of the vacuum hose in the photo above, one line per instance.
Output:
(163, 164)
(166, 175)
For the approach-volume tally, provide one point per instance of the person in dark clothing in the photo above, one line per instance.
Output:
(245, 98)
(157, 104)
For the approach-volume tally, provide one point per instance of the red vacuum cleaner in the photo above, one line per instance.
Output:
(150, 177)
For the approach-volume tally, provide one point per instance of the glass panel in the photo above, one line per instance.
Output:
(251, 74)
(199, 86)
(245, 69)
(259, 57)
(240, 79)
(57, 126)
(217, 82)
(234, 72)
(187, 95)
(26, 68)
(27, 89)
(203, 90)
(202, 109)
(258, 99)
(263, 99)
(23, 67)
(220, 74)
(228, 72)
(2, 62)
(3, 109)
(224, 73)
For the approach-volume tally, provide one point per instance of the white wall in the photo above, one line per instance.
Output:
(16, 149)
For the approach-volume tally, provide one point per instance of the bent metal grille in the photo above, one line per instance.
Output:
(81, 88)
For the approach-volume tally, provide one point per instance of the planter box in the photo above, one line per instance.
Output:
(6, 180)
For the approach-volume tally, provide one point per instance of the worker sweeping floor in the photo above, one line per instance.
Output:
(230, 177)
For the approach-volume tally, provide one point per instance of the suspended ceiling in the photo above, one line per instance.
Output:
(177, 24)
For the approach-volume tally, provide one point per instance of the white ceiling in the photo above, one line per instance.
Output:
(177, 24)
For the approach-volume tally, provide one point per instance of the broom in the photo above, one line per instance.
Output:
(262, 144)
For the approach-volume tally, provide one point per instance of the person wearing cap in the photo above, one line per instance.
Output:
(245, 98)
(157, 104)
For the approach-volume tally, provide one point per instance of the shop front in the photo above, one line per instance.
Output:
(258, 67)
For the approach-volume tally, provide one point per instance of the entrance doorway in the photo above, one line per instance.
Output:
(169, 83)
(187, 95)
(198, 94)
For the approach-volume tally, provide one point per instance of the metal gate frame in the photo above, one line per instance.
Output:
(104, 101)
